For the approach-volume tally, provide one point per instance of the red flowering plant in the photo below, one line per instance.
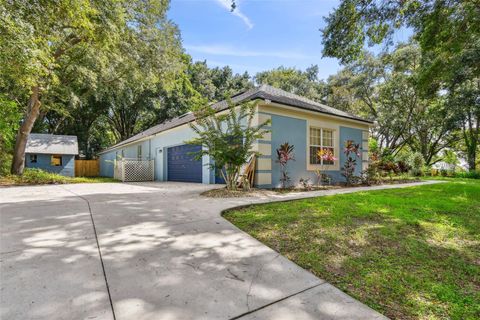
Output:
(352, 151)
(284, 155)
(324, 156)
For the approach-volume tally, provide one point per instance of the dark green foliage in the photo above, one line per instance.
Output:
(468, 175)
(352, 152)
(304, 83)
(445, 79)
(9, 121)
(227, 137)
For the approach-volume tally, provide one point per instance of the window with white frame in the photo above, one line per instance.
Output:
(139, 152)
(321, 139)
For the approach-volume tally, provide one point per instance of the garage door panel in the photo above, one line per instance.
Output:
(182, 165)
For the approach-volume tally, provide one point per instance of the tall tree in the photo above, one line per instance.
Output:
(46, 46)
(9, 122)
(384, 88)
(465, 97)
(443, 29)
(448, 33)
(304, 83)
(215, 84)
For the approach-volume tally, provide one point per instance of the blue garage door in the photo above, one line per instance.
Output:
(182, 165)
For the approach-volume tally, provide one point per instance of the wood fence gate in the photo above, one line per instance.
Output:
(87, 168)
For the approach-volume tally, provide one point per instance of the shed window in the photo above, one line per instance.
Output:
(320, 139)
(139, 152)
(56, 160)
(33, 158)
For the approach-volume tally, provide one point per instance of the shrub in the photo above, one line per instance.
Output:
(402, 161)
(38, 176)
(372, 175)
(468, 174)
(227, 138)
(284, 155)
(416, 163)
(351, 150)
(388, 166)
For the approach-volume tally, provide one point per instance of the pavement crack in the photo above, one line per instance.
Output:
(254, 278)
(276, 301)
(98, 248)
(194, 267)
(234, 276)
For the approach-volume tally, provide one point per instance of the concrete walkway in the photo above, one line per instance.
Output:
(150, 251)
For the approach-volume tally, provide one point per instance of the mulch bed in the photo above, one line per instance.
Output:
(224, 193)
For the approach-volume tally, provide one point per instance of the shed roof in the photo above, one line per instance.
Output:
(51, 144)
(262, 92)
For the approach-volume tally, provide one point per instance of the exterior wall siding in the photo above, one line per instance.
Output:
(174, 137)
(355, 135)
(294, 131)
(286, 126)
(106, 164)
(44, 162)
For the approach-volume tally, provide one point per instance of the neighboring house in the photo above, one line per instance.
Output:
(306, 124)
(52, 153)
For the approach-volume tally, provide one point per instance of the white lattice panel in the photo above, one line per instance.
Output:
(134, 170)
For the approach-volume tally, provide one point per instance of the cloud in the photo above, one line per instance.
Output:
(222, 50)
(227, 4)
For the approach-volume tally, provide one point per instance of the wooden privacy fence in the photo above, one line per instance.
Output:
(87, 168)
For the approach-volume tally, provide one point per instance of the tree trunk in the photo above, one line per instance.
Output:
(472, 157)
(33, 111)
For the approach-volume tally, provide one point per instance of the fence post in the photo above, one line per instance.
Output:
(122, 167)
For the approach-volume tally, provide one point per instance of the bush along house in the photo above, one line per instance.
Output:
(307, 125)
(52, 153)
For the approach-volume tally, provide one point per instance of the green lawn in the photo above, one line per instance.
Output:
(411, 253)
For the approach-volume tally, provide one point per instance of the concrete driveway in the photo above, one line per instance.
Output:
(148, 251)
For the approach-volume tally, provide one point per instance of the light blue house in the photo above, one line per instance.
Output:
(308, 125)
(52, 153)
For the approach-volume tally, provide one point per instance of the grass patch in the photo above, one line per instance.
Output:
(37, 176)
(411, 253)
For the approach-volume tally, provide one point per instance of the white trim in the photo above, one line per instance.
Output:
(336, 148)
(365, 146)
(365, 135)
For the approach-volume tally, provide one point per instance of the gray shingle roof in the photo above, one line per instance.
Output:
(51, 144)
(262, 92)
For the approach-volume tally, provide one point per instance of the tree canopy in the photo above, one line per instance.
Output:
(447, 33)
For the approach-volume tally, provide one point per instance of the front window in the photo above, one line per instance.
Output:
(33, 158)
(321, 140)
(56, 160)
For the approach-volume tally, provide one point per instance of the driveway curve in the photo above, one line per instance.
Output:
(150, 251)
